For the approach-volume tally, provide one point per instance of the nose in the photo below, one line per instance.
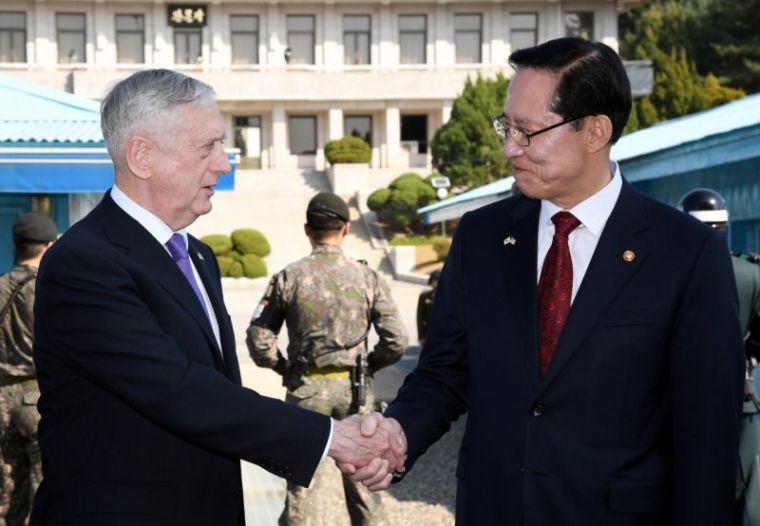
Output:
(511, 148)
(221, 162)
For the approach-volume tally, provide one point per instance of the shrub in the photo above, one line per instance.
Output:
(441, 246)
(235, 255)
(251, 241)
(398, 203)
(235, 270)
(224, 264)
(219, 243)
(253, 266)
(377, 199)
(348, 150)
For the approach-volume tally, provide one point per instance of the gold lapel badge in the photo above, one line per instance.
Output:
(629, 255)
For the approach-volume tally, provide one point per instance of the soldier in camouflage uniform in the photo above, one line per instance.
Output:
(328, 302)
(32, 235)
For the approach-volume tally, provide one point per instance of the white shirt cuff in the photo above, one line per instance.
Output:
(329, 441)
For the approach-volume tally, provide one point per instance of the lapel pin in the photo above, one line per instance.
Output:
(509, 240)
(200, 256)
(629, 255)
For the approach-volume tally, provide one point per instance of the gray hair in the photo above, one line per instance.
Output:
(147, 99)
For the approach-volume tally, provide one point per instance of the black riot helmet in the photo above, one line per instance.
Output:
(706, 205)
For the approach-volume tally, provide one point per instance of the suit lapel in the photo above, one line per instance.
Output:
(519, 269)
(124, 231)
(213, 289)
(607, 272)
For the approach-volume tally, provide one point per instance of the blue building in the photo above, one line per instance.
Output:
(718, 148)
(52, 157)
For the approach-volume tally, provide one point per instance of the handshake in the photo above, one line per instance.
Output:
(370, 449)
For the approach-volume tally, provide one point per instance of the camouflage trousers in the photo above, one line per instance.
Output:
(21, 463)
(313, 506)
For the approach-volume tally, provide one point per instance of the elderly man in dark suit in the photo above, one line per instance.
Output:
(590, 333)
(143, 415)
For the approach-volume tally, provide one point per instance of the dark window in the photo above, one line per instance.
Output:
(359, 126)
(187, 45)
(412, 38)
(248, 140)
(523, 30)
(356, 39)
(71, 31)
(12, 37)
(468, 38)
(301, 39)
(414, 129)
(244, 39)
(303, 135)
(130, 39)
(580, 24)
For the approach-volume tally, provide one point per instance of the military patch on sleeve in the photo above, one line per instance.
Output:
(260, 307)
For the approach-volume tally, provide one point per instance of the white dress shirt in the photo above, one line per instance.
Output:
(163, 232)
(593, 214)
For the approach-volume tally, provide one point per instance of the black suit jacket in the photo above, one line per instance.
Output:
(635, 421)
(143, 416)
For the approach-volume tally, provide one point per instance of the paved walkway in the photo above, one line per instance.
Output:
(275, 203)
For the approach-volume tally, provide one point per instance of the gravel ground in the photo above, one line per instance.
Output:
(425, 497)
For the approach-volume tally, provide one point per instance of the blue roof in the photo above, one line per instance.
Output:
(734, 115)
(34, 113)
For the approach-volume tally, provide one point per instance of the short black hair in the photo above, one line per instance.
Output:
(592, 81)
(26, 250)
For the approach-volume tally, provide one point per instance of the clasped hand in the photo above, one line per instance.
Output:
(369, 449)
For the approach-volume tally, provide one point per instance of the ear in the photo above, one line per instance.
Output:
(307, 229)
(139, 156)
(346, 228)
(599, 132)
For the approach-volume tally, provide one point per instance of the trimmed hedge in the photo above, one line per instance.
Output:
(398, 204)
(253, 266)
(221, 244)
(251, 241)
(349, 149)
(240, 254)
(441, 247)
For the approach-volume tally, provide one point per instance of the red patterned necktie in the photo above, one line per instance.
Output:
(555, 287)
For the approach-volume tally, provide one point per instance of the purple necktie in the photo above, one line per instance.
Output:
(177, 249)
(555, 287)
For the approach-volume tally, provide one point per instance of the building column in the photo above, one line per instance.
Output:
(335, 124)
(279, 137)
(392, 137)
(445, 113)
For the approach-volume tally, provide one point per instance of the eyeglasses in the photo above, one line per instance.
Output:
(520, 136)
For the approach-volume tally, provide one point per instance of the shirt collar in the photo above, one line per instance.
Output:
(594, 211)
(149, 221)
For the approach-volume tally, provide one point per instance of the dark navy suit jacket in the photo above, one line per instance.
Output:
(143, 416)
(635, 421)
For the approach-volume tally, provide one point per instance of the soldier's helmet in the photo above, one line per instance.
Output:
(707, 205)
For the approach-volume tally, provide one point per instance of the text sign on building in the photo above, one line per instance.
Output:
(440, 181)
(187, 15)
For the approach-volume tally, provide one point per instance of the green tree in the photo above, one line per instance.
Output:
(397, 205)
(466, 149)
(663, 32)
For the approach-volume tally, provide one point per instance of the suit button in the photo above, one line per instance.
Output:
(538, 410)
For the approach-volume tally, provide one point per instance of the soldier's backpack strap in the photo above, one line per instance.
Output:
(14, 293)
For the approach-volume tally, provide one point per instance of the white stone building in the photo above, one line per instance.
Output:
(291, 75)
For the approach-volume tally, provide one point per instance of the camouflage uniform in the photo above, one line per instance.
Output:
(329, 302)
(19, 393)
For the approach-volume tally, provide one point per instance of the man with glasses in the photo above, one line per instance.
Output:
(590, 333)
